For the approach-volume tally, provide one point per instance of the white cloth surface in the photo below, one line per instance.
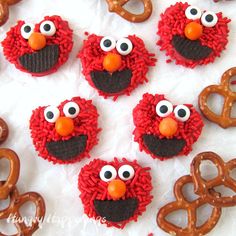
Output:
(20, 93)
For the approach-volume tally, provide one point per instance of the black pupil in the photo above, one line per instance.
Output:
(163, 109)
(107, 43)
(126, 174)
(47, 27)
(27, 29)
(193, 11)
(50, 115)
(209, 18)
(72, 110)
(181, 113)
(108, 174)
(124, 46)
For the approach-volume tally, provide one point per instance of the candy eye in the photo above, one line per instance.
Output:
(124, 46)
(209, 19)
(182, 113)
(71, 109)
(51, 114)
(164, 108)
(193, 13)
(126, 172)
(48, 28)
(26, 30)
(107, 44)
(108, 173)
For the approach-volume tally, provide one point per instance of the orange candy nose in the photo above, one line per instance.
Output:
(64, 126)
(168, 127)
(37, 41)
(112, 62)
(193, 30)
(116, 189)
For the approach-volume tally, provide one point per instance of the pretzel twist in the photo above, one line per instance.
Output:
(182, 203)
(117, 7)
(205, 188)
(13, 176)
(13, 210)
(4, 9)
(225, 119)
(3, 131)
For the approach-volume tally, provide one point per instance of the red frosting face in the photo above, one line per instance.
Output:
(115, 67)
(39, 49)
(65, 134)
(115, 192)
(164, 130)
(190, 36)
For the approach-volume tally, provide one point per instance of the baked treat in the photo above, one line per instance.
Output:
(182, 203)
(225, 119)
(39, 49)
(65, 134)
(115, 192)
(192, 37)
(115, 67)
(164, 130)
(4, 10)
(7, 186)
(207, 194)
(118, 7)
(207, 188)
(3, 131)
(12, 212)
(16, 202)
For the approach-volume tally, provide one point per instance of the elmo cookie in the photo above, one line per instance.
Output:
(115, 192)
(164, 130)
(65, 134)
(192, 37)
(39, 49)
(115, 67)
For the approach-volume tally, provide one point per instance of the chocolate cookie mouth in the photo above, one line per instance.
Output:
(68, 149)
(111, 83)
(163, 147)
(190, 49)
(40, 61)
(116, 211)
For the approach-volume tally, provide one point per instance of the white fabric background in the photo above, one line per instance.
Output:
(20, 94)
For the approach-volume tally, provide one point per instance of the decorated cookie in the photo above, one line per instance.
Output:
(115, 67)
(115, 192)
(164, 130)
(192, 37)
(39, 49)
(65, 134)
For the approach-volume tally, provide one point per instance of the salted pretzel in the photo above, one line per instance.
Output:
(117, 7)
(4, 9)
(182, 203)
(225, 119)
(13, 210)
(205, 188)
(13, 176)
(3, 131)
